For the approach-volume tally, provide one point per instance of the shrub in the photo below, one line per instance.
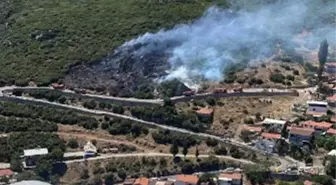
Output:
(211, 142)
(91, 104)
(220, 150)
(72, 143)
(290, 77)
(296, 72)
(211, 101)
(277, 78)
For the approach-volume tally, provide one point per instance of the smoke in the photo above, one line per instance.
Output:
(204, 49)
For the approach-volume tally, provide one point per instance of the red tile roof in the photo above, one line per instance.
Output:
(323, 124)
(192, 179)
(141, 181)
(333, 119)
(253, 128)
(270, 135)
(331, 131)
(332, 98)
(313, 113)
(301, 131)
(6, 172)
(205, 111)
(307, 182)
(235, 176)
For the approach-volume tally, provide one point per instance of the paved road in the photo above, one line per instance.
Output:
(107, 156)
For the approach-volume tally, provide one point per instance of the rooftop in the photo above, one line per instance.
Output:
(6, 172)
(272, 121)
(331, 131)
(317, 103)
(301, 131)
(316, 114)
(332, 98)
(192, 179)
(141, 181)
(253, 128)
(205, 111)
(235, 176)
(270, 135)
(323, 124)
(332, 152)
(30, 182)
(331, 64)
(36, 151)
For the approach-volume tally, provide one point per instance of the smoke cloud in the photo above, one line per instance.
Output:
(203, 49)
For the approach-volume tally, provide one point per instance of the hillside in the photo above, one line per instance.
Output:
(41, 39)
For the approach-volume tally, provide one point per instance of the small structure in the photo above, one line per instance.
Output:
(253, 128)
(318, 127)
(89, 150)
(271, 136)
(141, 181)
(6, 173)
(31, 182)
(332, 153)
(330, 68)
(299, 136)
(332, 101)
(273, 125)
(129, 181)
(228, 178)
(317, 108)
(31, 155)
(186, 180)
(205, 112)
(331, 131)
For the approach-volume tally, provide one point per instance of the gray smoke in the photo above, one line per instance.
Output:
(206, 47)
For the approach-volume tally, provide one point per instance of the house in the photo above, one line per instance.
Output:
(205, 112)
(332, 153)
(318, 127)
(330, 68)
(271, 136)
(230, 178)
(331, 131)
(299, 136)
(317, 108)
(332, 101)
(7, 173)
(31, 155)
(141, 181)
(186, 180)
(253, 128)
(128, 181)
(273, 125)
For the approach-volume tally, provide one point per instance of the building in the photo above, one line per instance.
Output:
(270, 136)
(31, 155)
(205, 112)
(186, 180)
(299, 136)
(6, 173)
(319, 127)
(253, 128)
(331, 131)
(31, 182)
(228, 178)
(332, 101)
(273, 125)
(317, 108)
(129, 181)
(141, 181)
(332, 153)
(90, 150)
(330, 68)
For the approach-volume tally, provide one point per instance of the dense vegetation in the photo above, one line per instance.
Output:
(49, 114)
(13, 124)
(168, 115)
(43, 38)
(170, 137)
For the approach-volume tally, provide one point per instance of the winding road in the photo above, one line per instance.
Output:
(285, 161)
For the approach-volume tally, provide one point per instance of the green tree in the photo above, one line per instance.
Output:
(109, 179)
(16, 164)
(185, 150)
(174, 149)
(56, 155)
(196, 153)
(62, 99)
(322, 56)
(331, 167)
(43, 168)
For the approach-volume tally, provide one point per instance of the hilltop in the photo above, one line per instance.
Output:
(41, 39)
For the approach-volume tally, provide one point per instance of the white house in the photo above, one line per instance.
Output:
(30, 156)
(317, 108)
(274, 125)
(230, 178)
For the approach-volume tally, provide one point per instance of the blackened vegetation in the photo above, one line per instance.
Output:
(122, 73)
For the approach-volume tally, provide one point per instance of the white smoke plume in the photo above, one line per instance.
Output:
(204, 48)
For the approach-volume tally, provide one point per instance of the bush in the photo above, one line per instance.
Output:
(249, 121)
(62, 99)
(91, 104)
(277, 78)
(211, 142)
(72, 143)
(296, 72)
(220, 150)
(290, 77)
(211, 101)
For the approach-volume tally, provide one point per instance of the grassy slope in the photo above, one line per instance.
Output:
(88, 29)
